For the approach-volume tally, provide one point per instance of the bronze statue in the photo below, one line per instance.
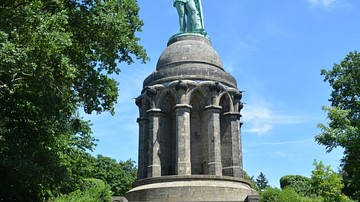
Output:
(190, 15)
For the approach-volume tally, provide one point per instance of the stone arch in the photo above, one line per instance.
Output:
(199, 90)
(198, 133)
(163, 94)
(167, 133)
(225, 101)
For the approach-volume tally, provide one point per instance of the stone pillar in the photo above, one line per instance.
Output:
(235, 169)
(240, 150)
(143, 147)
(183, 158)
(214, 146)
(154, 167)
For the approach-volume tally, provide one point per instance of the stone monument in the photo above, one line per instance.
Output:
(189, 126)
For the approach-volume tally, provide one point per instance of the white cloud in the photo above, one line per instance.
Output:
(259, 128)
(323, 3)
(260, 118)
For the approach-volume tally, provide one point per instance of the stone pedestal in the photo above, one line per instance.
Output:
(191, 188)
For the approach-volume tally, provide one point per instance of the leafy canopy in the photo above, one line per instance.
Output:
(55, 58)
(326, 183)
(343, 128)
(120, 176)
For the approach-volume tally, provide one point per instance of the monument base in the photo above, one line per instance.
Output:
(192, 188)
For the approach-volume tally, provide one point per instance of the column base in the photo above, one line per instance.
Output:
(215, 168)
(183, 168)
(234, 171)
(154, 171)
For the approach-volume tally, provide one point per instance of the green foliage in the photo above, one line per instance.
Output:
(270, 195)
(251, 180)
(298, 183)
(326, 183)
(261, 181)
(55, 58)
(92, 190)
(343, 128)
(120, 176)
(286, 195)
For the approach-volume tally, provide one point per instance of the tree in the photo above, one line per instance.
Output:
(55, 58)
(120, 176)
(327, 183)
(298, 183)
(343, 128)
(92, 190)
(261, 181)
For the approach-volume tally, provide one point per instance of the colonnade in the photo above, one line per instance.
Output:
(169, 132)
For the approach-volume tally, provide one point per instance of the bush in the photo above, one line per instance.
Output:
(298, 183)
(286, 195)
(92, 190)
(276, 195)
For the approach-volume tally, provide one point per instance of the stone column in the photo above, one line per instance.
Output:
(241, 174)
(143, 147)
(183, 158)
(235, 169)
(214, 146)
(154, 167)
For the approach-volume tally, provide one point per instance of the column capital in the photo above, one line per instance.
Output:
(183, 107)
(236, 115)
(213, 107)
(154, 110)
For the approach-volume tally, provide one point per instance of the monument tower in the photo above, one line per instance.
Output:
(189, 123)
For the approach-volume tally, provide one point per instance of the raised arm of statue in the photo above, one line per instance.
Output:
(190, 15)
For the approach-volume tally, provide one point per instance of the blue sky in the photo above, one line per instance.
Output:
(275, 49)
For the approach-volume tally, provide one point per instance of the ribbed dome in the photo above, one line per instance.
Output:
(189, 57)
